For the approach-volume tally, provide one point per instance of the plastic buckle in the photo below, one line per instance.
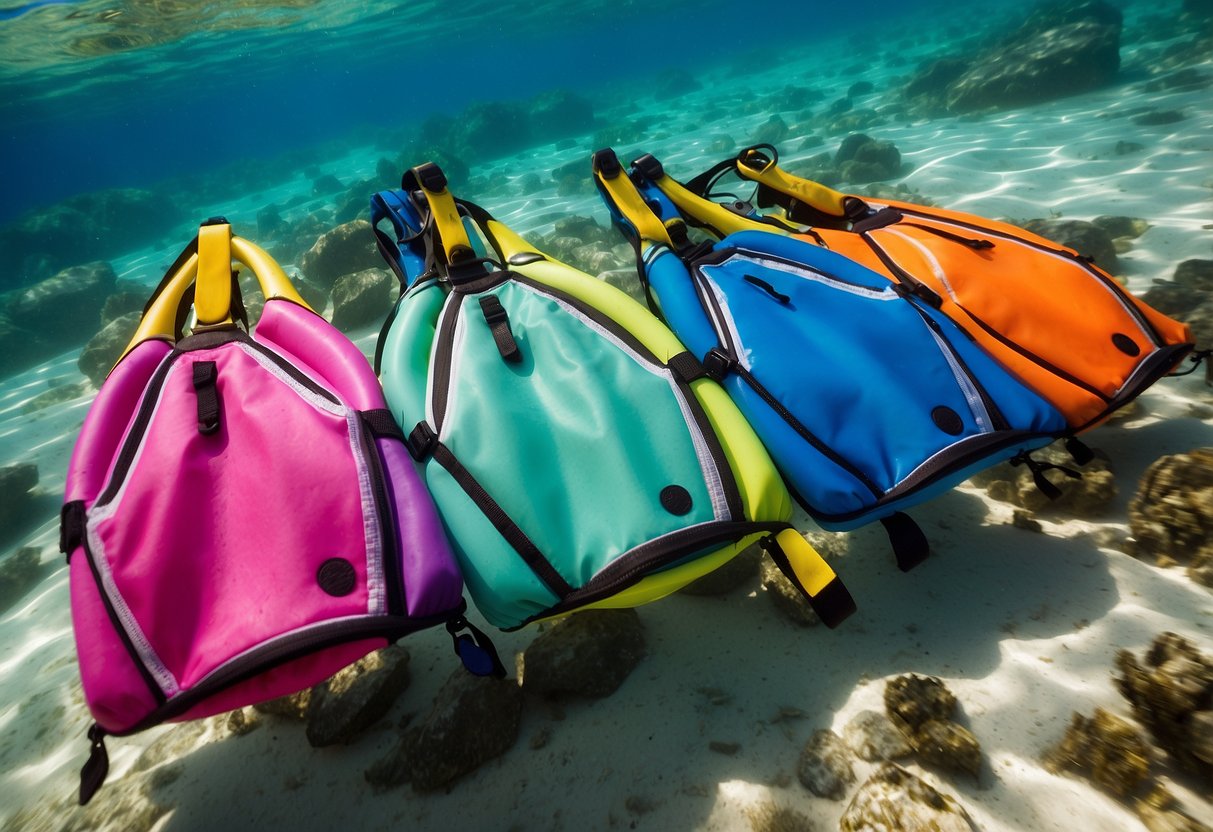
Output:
(606, 163)
(717, 364)
(648, 167)
(421, 442)
(431, 177)
(215, 221)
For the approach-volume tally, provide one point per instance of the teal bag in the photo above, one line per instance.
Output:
(578, 455)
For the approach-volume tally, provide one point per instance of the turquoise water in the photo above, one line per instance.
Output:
(123, 124)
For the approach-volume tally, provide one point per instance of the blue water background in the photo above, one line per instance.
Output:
(137, 116)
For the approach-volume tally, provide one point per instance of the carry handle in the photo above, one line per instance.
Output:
(809, 573)
(432, 182)
(624, 197)
(208, 268)
(760, 163)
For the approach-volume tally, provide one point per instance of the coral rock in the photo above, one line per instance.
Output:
(1171, 516)
(825, 767)
(356, 697)
(1105, 748)
(912, 700)
(873, 736)
(948, 745)
(894, 799)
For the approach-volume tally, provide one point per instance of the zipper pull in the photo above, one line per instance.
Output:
(476, 651)
(93, 773)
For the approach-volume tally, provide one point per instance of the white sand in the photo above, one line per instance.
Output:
(1023, 627)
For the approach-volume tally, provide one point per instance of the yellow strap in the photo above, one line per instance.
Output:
(213, 293)
(811, 569)
(451, 232)
(814, 194)
(632, 206)
(715, 216)
(273, 280)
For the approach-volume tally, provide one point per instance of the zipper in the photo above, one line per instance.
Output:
(440, 382)
(649, 557)
(385, 511)
(787, 266)
(965, 378)
(1108, 283)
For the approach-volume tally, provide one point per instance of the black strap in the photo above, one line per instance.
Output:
(1197, 357)
(910, 544)
(502, 522)
(206, 377)
(882, 218)
(421, 442)
(1038, 469)
(686, 367)
(1078, 451)
(971, 242)
(381, 424)
(71, 527)
(833, 604)
(94, 771)
(499, 323)
(768, 288)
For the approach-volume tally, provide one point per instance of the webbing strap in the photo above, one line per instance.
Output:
(71, 527)
(499, 324)
(381, 424)
(910, 544)
(451, 233)
(810, 574)
(206, 379)
(686, 367)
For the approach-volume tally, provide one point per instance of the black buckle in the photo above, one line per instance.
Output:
(215, 221)
(718, 364)
(421, 442)
(606, 163)
(648, 167)
(431, 177)
(920, 291)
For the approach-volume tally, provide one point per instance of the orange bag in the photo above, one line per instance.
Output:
(1062, 325)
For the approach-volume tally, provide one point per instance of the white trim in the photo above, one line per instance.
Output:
(376, 583)
(927, 255)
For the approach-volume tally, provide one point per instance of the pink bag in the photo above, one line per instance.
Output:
(242, 518)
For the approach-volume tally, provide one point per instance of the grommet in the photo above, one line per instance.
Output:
(337, 577)
(947, 420)
(675, 499)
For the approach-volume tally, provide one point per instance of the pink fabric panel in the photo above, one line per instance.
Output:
(115, 691)
(432, 581)
(108, 419)
(221, 540)
(284, 680)
(323, 348)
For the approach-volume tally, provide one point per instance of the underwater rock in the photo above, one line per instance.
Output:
(21, 347)
(362, 298)
(1116, 227)
(585, 229)
(1085, 496)
(912, 700)
(948, 745)
(1105, 748)
(1053, 63)
(488, 130)
(86, 227)
(1172, 299)
(772, 131)
(293, 706)
(100, 353)
(589, 654)
(17, 481)
(474, 720)
(558, 113)
(326, 184)
(1084, 237)
(1194, 274)
(1045, 16)
(674, 82)
(19, 573)
(1154, 118)
(1171, 515)
(355, 202)
(270, 223)
(926, 91)
(873, 737)
(768, 816)
(347, 249)
(785, 596)
(860, 88)
(121, 303)
(1172, 696)
(626, 281)
(824, 767)
(861, 159)
(894, 799)
(58, 394)
(65, 308)
(737, 572)
(356, 697)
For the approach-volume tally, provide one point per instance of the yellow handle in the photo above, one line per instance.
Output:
(826, 594)
(451, 231)
(212, 278)
(758, 167)
(718, 219)
(628, 201)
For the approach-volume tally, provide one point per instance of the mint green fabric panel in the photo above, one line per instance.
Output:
(576, 442)
(404, 366)
(505, 590)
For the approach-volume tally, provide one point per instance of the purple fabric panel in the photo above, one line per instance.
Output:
(108, 419)
(432, 581)
(320, 346)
